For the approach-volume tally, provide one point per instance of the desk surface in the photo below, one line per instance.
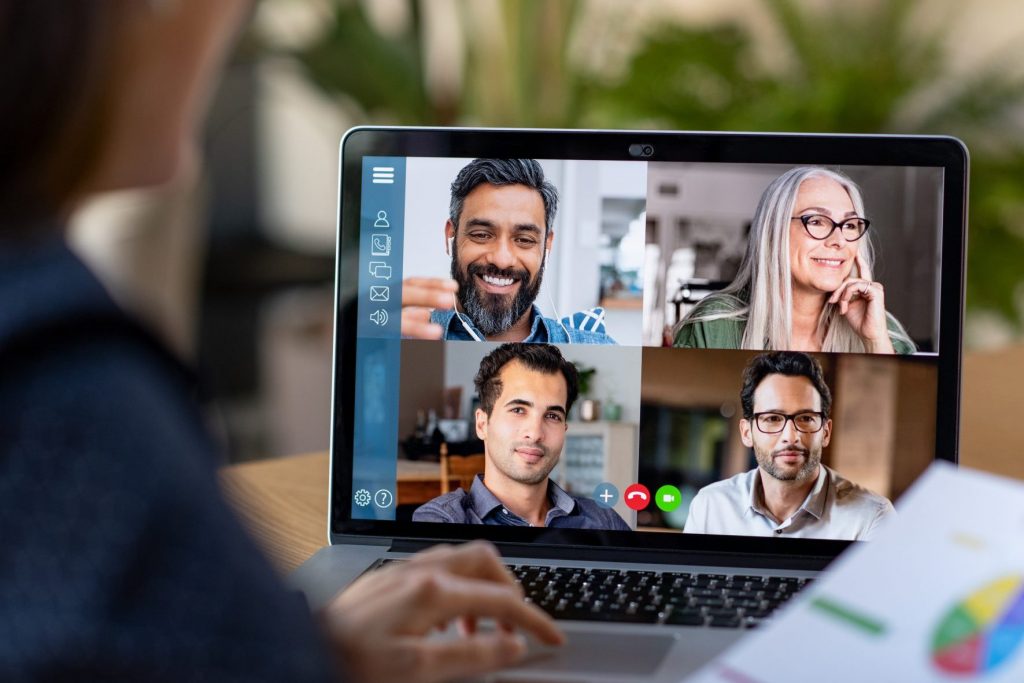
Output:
(283, 501)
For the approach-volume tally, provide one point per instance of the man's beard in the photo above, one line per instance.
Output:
(494, 313)
(812, 458)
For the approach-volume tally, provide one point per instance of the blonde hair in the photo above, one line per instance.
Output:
(762, 292)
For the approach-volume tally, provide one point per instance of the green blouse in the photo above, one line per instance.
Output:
(727, 333)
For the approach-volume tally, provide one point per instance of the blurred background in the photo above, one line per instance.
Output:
(233, 262)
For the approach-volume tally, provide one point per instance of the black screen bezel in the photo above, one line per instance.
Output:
(811, 149)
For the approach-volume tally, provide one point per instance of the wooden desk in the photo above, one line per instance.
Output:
(284, 501)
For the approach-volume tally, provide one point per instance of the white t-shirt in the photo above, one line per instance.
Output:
(836, 508)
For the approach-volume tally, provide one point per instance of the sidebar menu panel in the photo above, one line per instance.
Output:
(379, 338)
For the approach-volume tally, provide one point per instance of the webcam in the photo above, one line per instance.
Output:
(638, 150)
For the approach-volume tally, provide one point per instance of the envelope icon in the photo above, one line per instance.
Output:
(380, 292)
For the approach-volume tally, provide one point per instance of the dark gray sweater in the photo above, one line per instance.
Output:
(119, 559)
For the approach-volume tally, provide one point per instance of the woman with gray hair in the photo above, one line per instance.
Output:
(805, 281)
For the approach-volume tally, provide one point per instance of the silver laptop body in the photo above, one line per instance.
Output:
(648, 223)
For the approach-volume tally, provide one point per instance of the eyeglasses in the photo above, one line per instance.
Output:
(821, 227)
(807, 421)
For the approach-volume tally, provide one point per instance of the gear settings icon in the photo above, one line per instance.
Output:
(362, 498)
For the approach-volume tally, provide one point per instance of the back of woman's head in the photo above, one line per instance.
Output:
(58, 71)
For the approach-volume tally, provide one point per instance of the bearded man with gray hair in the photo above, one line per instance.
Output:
(499, 234)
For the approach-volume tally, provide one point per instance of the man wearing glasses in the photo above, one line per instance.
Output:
(790, 493)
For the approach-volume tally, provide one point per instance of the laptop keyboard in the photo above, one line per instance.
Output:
(650, 597)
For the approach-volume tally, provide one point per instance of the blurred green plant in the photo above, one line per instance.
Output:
(515, 65)
(586, 378)
(382, 73)
(852, 68)
(845, 67)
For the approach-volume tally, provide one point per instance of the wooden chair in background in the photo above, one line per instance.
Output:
(460, 467)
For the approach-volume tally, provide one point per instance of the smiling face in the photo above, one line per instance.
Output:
(524, 433)
(819, 266)
(789, 455)
(498, 254)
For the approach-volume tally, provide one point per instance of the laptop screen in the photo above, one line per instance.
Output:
(678, 350)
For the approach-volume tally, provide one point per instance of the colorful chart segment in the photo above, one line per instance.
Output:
(983, 631)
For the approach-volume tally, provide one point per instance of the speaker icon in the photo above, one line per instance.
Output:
(380, 316)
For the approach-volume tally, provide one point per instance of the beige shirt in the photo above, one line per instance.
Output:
(836, 508)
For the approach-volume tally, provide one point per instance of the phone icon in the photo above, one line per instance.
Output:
(637, 497)
(380, 245)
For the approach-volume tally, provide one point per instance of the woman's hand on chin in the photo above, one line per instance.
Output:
(862, 302)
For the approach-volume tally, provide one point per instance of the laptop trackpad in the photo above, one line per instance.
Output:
(602, 652)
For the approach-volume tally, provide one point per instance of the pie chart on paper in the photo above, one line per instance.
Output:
(983, 631)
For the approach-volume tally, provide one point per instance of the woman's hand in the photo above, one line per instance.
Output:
(862, 302)
(380, 624)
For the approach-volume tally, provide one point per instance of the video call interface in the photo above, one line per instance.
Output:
(677, 301)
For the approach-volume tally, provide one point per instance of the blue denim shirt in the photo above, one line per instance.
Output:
(585, 327)
(480, 506)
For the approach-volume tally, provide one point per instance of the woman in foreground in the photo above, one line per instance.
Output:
(121, 560)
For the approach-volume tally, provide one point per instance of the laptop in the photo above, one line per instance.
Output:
(641, 258)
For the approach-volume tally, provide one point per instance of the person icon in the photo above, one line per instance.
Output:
(382, 220)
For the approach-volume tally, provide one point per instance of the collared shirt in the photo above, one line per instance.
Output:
(480, 506)
(835, 508)
(542, 330)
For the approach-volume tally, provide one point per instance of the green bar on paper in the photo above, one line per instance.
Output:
(864, 623)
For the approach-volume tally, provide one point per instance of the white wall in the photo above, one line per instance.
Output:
(578, 241)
